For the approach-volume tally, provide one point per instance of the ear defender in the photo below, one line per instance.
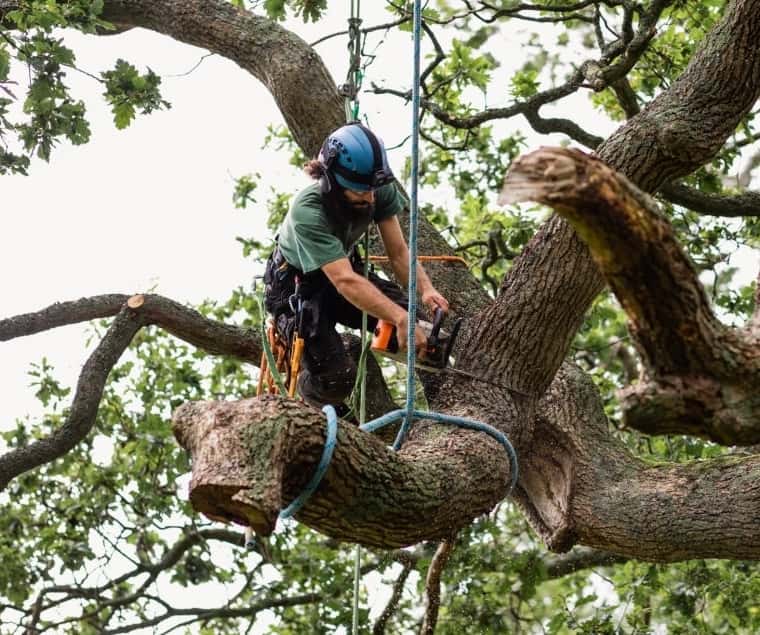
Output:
(327, 156)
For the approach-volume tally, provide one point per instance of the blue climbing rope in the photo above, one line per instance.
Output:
(413, 213)
(462, 422)
(324, 463)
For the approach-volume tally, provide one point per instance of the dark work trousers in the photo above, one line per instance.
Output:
(328, 370)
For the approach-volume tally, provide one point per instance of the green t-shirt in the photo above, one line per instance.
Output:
(308, 240)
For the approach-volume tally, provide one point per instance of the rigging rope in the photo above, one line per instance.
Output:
(350, 90)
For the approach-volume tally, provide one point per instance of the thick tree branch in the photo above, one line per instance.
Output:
(583, 486)
(743, 204)
(635, 249)
(705, 374)
(253, 457)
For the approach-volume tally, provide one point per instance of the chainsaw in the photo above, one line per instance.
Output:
(436, 356)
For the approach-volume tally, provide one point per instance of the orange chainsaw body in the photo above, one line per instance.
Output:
(434, 358)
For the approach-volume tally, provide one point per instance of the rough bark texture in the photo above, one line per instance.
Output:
(577, 483)
(252, 458)
(703, 376)
(617, 503)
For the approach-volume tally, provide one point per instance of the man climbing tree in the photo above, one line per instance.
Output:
(314, 278)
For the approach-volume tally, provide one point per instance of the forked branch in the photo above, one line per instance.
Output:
(704, 375)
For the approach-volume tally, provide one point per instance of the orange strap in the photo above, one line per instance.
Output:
(423, 258)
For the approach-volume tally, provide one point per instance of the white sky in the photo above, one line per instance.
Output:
(151, 206)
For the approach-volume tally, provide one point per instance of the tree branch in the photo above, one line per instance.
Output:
(390, 608)
(558, 566)
(433, 586)
(61, 314)
(659, 512)
(84, 407)
(221, 613)
(705, 375)
(187, 324)
(370, 494)
(743, 204)
(636, 251)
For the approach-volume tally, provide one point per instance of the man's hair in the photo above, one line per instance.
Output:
(313, 168)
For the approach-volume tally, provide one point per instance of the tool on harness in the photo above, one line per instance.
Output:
(286, 349)
(436, 357)
(297, 342)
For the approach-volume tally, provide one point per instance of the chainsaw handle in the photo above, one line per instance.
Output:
(438, 316)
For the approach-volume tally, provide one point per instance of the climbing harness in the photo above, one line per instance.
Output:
(280, 357)
(273, 355)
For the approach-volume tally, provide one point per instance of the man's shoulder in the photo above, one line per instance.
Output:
(388, 202)
(307, 206)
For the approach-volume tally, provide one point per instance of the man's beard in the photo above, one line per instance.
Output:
(344, 211)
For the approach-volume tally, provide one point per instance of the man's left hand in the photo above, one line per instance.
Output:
(434, 300)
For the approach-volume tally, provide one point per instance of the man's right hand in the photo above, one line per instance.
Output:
(420, 339)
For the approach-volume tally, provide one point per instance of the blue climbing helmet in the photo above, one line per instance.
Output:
(354, 158)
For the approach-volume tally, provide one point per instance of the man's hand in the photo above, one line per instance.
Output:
(434, 300)
(420, 339)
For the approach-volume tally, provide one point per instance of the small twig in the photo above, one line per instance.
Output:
(390, 608)
(370, 29)
(433, 586)
(195, 66)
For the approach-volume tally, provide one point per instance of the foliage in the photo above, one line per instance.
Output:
(115, 504)
(50, 113)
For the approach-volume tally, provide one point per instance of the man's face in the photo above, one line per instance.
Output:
(360, 201)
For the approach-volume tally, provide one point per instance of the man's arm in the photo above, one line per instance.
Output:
(398, 255)
(367, 297)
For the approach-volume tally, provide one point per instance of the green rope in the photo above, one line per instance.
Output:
(268, 349)
(361, 372)
(354, 77)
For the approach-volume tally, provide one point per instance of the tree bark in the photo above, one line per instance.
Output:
(704, 377)
(251, 458)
